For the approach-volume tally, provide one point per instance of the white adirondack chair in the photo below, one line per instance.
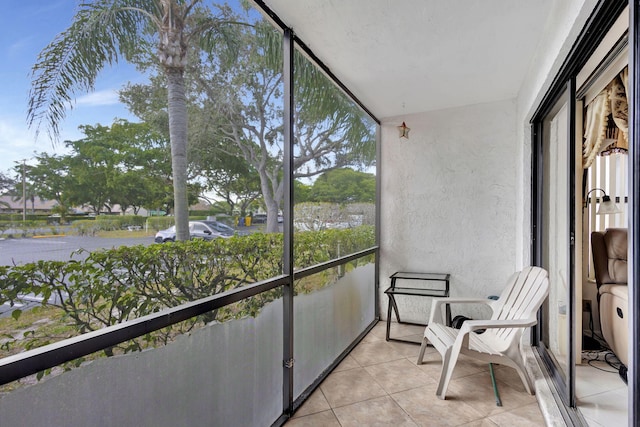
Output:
(513, 312)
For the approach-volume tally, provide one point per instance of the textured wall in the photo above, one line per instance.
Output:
(561, 30)
(449, 199)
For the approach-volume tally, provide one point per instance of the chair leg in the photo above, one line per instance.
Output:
(526, 381)
(517, 362)
(423, 347)
(449, 360)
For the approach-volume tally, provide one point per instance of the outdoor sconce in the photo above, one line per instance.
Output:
(404, 130)
(607, 206)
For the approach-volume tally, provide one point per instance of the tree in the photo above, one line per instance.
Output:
(126, 164)
(344, 186)
(50, 180)
(92, 167)
(6, 185)
(105, 31)
(329, 130)
(301, 191)
(23, 187)
(239, 113)
(226, 173)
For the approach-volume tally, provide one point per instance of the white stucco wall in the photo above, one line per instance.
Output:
(456, 197)
(449, 199)
(559, 34)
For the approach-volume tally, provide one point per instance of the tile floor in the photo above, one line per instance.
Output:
(601, 395)
(379, 384)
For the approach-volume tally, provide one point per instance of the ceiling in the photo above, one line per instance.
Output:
(409, 56)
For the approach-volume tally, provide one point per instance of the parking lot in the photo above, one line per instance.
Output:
(59, 248)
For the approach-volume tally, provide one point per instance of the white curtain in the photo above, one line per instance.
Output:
(620, 112)
(596, 127)
(598, 138)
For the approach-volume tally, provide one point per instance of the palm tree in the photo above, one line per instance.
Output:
(105, 31)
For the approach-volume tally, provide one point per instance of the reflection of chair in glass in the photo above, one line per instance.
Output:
(609, 250)
(513, 312)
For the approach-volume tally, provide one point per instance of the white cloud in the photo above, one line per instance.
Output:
(102, 97)
(18, 142)
(12, 136)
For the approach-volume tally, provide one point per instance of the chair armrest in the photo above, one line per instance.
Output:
(436, 314)
(473, 325)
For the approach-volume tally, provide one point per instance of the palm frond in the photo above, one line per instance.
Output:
(101, 33)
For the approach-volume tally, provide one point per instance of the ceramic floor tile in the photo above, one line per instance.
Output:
(402, 330)
(379, 383)
(509, 376)
(321, 419)
(370, 353)
(477, 391)
(427, 410)
(383, 411)
(525, 416)
(398, 375)
(347, 387)
(607, 409)
(432, 365)
(596, 379)
(314, 404)
(346, 364)
(484, 422)
(409, 350)
(378, 333)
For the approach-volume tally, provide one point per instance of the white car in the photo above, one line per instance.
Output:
(206, 230)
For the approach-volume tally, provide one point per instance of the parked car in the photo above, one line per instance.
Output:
(207, 230)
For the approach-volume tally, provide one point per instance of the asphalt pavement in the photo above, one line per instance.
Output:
(59, 248)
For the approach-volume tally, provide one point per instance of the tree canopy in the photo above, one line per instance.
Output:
(126, 164)
(236, 113)
(216, 71)
(157, 33)
(343, 186)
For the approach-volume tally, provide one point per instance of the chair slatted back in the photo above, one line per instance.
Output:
(521, 299)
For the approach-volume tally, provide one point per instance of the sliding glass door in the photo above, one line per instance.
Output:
(555, 165)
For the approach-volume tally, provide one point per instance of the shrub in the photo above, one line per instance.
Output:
(89, 227)
(123, 221)
(157, 223)
(112, 286)
(23, 228)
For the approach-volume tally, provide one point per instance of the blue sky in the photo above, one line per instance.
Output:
(29, 25)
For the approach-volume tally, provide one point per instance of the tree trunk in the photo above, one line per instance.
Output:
(271, 198)
(178, 138)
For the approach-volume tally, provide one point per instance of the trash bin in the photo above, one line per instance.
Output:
(247, 221)
(241, 222)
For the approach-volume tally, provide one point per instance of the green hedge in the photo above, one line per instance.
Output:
(124, 221)
(4, 225)
(89, 227)
(157, 223)
(112, 286)
(17, 217)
